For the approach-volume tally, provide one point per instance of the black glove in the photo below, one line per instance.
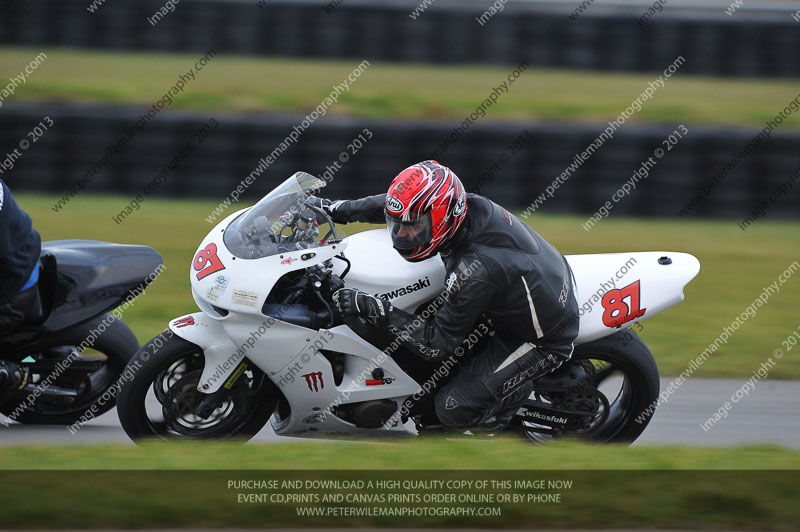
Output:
(351, 302)
(331, 208)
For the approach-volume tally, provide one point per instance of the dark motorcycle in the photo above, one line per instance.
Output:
(78, 351)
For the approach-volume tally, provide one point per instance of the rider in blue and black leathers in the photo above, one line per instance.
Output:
(20, 248)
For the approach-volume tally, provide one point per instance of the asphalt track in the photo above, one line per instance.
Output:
(769, 414)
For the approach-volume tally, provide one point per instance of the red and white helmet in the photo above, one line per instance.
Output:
(425, 206)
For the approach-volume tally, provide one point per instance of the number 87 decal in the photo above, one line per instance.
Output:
(617, 311)
(206, 262)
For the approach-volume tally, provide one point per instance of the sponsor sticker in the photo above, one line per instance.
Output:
(379, 382)
(243, 297)
(235, 377)
(394, 205)
(314, 381)
(183, 322)
(217, 290)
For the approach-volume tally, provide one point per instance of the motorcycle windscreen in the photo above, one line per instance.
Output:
(285, 220)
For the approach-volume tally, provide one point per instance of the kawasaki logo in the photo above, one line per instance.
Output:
(394, 205)
(410, 289)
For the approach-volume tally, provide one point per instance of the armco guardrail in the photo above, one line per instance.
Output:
(511, 163)
(765, 42)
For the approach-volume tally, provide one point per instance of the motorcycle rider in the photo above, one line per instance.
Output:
(516, 278)
(20, 247)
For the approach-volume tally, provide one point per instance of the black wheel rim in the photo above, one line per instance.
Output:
(618, 382)
(90, 386)
(165, 404)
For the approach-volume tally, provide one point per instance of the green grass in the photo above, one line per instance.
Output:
(735, 266)
(232, 83)
(422, 453)
(148, 487)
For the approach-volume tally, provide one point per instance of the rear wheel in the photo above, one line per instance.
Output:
(607, 392)
(73, 383)
(162, 400)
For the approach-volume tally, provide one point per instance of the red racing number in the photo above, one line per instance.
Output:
(206, 262)
(617, 311)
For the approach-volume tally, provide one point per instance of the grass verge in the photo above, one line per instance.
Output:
(415, 454)
(660, 487)
(244, 84)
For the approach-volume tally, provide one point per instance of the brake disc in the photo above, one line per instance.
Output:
(180, 407)
(173, 374)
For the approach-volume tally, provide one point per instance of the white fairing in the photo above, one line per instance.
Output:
(379, 270)
(660, 286)
(243, 285)
(232, 325)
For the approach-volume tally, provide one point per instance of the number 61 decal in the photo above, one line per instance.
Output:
(617, 311)
(206, 262)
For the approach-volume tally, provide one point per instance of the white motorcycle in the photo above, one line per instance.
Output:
(267, 343)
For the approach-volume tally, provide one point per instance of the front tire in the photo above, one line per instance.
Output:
(166, 376)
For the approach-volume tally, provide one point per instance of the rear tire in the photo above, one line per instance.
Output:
(626, 413)
(628, 352)
(132, 408)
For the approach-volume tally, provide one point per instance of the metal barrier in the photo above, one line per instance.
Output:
(602, 38)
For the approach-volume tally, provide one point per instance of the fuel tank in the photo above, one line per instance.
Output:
(378, 269)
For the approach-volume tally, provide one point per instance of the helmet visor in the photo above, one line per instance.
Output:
(408, 236)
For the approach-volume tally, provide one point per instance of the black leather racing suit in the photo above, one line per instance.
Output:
(500, 268)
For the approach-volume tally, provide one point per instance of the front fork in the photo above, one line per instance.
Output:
(212, 401)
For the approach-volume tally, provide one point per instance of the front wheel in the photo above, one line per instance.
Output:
(606, 393)
(162, 400)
